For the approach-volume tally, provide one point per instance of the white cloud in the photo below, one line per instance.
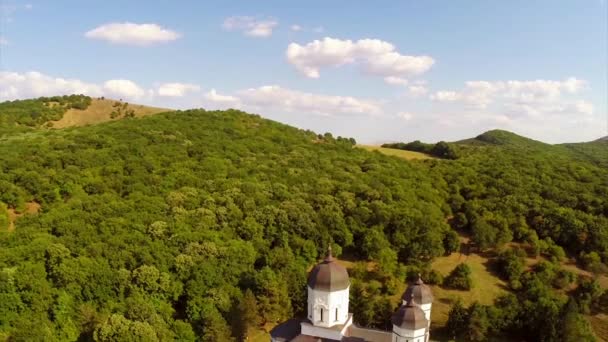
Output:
(176, 89)
(123, 89)
(28, 6)
(31, 84)
(222, 101)
(405, 116)
(318, 29)
(295, 28)
(417, 90)
(446, 96)
(536, 93)
(34, 84)
(133, 34)
(250, 26)
(392, 80)
(3, 41)
(375, 56)
(276, 97)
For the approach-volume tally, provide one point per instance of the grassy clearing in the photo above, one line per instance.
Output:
(486, 286)
(599, 323)
(260, 335)
(100, 111)
(408, 155)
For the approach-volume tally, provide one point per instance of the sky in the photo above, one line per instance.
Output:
(378, 71)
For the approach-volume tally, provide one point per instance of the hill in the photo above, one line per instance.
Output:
(64, 111)
(102, 110)
(500, 138)
(201, 225)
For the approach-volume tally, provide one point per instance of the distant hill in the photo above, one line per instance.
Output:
(102, 110)
(604, 139)
(501, 137)
(65, 111)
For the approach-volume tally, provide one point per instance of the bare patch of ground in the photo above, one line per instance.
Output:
(100, 111)
(13, 215)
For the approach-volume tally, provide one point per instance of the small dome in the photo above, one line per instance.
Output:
(410, 316)
(418, 292)
(328, 275)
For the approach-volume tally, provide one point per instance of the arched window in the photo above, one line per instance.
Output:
(321, 314)
(336, 314)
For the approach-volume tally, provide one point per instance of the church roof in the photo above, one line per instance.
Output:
(410, 316)
(328, 275)
(418, 292)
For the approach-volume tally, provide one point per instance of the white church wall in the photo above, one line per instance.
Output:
(331, 303)
(427, 311)
(407, 335)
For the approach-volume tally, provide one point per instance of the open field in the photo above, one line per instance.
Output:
(100, 111)
(408, 155)
(486, 286)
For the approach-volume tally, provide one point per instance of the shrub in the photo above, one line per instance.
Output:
(459, 278)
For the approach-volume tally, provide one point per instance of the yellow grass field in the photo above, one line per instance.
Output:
(100, 111)
(486, 286)
(408, 155)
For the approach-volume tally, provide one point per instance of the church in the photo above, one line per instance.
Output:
(328, 318)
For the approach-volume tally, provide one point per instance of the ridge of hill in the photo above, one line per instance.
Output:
(501, 138)
(102, 110)
(27, 116)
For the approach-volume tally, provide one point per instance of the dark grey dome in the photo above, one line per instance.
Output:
(410, 316)
(418, 292)
(328, 275)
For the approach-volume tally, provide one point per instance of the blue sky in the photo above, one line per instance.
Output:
(378, 71)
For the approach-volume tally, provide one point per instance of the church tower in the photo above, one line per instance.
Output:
(328, 290)
(410, 324)
(421, 294)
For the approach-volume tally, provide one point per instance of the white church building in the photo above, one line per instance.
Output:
(328, 318)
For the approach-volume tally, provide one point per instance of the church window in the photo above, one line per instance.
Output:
(336, 314)
(321, 314)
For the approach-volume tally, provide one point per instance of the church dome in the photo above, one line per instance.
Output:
(418, 292)
(328, 275)
(410, 316)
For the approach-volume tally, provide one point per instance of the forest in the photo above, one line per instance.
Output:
(201, 225)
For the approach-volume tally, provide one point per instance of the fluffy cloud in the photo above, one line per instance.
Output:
(417, 90)
(276, 97)
(35, 84)
(376, 57)
(176, 89)
(481, 94)
(251, 26)
(406, 116)
(222, 101)
(123, 89)
(132, 34)
(392, 80)
(534, 107)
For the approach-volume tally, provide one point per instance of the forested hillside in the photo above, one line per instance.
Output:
(201, 225)
(24, 115)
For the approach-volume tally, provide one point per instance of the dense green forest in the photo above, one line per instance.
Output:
(198, 225)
